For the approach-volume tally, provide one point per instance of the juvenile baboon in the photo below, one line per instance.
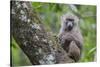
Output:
(70, 36)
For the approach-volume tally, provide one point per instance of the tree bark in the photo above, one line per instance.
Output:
(31, 36)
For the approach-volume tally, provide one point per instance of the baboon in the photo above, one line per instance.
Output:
(70, 36)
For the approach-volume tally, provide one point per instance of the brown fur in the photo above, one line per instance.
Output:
(71, 41)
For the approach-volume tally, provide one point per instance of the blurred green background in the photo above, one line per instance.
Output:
(50, 14)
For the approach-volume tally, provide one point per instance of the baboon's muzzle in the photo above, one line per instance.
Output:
(69, 26)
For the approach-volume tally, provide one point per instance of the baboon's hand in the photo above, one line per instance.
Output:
(68, 37)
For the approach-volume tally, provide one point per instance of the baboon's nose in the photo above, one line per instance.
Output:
(70, 26)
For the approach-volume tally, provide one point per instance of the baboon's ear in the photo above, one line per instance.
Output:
(76, 19)
(63, 17)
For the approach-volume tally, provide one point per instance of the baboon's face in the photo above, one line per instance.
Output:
(69, 23)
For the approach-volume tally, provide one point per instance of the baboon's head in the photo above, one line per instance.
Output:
(69, 21)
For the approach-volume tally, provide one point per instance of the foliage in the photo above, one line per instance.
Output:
(50, 14)
(18, 57)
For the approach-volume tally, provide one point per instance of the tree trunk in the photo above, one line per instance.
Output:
(30, 34)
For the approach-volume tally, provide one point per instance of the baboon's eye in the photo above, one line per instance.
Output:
(69, 19)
